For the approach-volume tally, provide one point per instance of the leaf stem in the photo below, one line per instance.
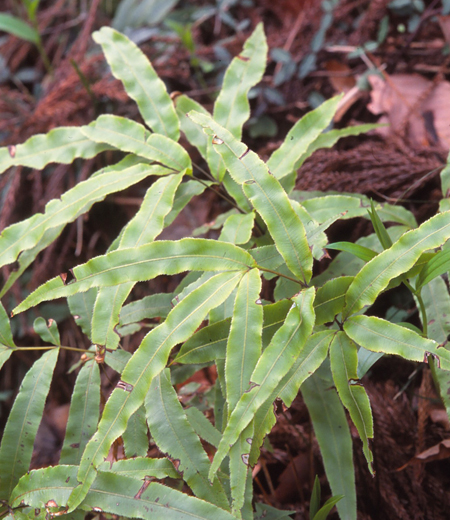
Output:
(50, 347)
(267, 270)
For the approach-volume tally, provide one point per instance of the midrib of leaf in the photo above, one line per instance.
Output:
(397, 259)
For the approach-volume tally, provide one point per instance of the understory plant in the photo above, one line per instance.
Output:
(313, 335)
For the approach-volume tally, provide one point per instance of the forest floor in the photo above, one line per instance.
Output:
(392, 60)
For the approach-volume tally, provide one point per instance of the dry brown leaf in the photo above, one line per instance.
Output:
(437, 452)
(413, 107)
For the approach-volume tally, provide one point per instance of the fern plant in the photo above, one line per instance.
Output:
(313, 336)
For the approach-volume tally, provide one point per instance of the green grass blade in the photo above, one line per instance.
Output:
(60, 145)
(83, 415)
(273, 365)
(115, 494)
(140, 80)
(364, 253)
(344, 365)
(245, 339)
(141, 467)
(23, 422)
(300, 137)
(267, 196)
(379, 335)
(147, 362)
(330, 299)
(135, 440)
(144, 263)
(17, 27)
(398, 259)
(173, 434)
(27, 234)
(237, 229)
(333, 435)
(129, 136)
(379, 228)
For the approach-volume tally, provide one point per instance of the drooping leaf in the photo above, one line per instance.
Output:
(23, 422)
(344, 365)
(330, 299)
(333, 435)
(245, 338)
(60, 145)
(173, 434)
(58, 212)
(300, 137)
(398, 259)
(140, 80)
(144, 263)
(364, 253)
(83, 415)
(267, 196)
(48, 331)
(379, 335)
(129, 136)
(147, 362)
(273, 365)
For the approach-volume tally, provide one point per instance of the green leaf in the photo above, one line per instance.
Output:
(265, 512)
(83, 415)
(141, 467)
(23, 422)
(245, 338)
(437, 304)
(202, 426)
(364, 253)
(115, 494)
(147, 362)
(6, 339)
(135, 440)
(129, 136)
(267, 196)
(379, 335)
(238, 228)
(327, 507)
(300, 137)
(267, 257)
(307, 362)
(144, 263)
(60, 145)
(344, 365)
(27, 234)
(379, 228)
(240, 470)
(48, 331)
(437, 266)
(398, 259)
(17, 27)
(330, 299)
(153, 306)
(314, 503)
(140, 80)
(184, 194)
(333, 435)
(194, 134)
(81, 306)
(273, 365)
(173, 434)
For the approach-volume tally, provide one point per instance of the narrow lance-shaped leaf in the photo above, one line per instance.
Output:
(364, 253)
(344, 366)
(379, 335)
(141, 467)
(300, 137)
(115, 494)
(202, 426)
(437, 266)
(129, 136)
(232, 108)
(135, 440)
(147, 362)
(18, 27)
(23, 422)
(144, 263)
(58, 212)
(60, 145)
(194, 134)
(174, 435)
(142, 229)
(267, 196)
(273, 365)
(140, 80)
(333, 435)
(244, 342)
(6, 339)
(240, 469)
(153, 306)
(83, 414)
(398, 259)
(379, 228)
